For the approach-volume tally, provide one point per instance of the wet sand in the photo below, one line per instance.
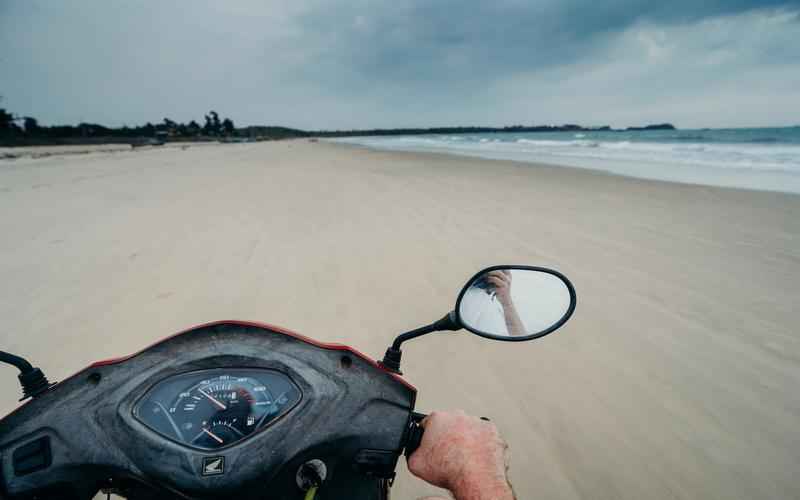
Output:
(677, 377)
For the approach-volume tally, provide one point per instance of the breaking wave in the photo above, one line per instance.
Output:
(684, 157)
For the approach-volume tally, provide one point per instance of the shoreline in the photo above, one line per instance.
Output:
(552, 166)
(39, 152)
(733, 176)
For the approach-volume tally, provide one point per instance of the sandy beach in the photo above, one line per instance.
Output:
(677, 377)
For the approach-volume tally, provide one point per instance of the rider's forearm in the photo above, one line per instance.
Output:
(513, 323)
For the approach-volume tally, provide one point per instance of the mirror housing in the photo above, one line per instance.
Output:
(530, 305)
(515, 303)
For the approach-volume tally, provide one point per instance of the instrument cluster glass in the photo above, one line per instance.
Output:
(212, 409)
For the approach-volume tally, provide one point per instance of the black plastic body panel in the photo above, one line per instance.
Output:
(32, 456)
(349, 404)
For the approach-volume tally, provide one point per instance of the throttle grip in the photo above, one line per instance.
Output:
(414, 433)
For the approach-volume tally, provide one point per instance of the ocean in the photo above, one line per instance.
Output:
(751, 158)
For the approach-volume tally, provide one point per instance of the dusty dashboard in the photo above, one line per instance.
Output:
(224, 409)
(212, 409)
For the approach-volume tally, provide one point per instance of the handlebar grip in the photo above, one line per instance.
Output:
(414, 433)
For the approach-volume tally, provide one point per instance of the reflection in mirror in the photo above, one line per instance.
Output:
(514, 302)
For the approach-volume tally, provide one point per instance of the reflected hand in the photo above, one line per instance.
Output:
(501, 282)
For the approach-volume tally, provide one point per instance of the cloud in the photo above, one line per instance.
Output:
(423, 40)
(365, 63)
(730, 70)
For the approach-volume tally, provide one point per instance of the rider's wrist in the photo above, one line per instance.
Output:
(480, 487)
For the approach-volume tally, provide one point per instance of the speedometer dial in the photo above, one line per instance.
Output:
(216, 408)
(223, 409)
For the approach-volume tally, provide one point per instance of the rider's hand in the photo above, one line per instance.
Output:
(501, 282)
(464, 455)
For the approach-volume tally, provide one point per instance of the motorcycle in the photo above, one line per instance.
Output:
(249, 410)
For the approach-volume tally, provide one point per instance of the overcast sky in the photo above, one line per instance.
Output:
(363, 64)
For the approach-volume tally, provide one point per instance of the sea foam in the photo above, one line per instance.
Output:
(732, 158)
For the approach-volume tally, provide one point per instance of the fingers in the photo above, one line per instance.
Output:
(498, 282)
(502, 276)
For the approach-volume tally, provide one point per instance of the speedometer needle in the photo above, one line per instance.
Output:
(213, 399)
(213, 435)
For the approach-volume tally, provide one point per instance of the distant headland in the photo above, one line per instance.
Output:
(26, 131)
(486, 130)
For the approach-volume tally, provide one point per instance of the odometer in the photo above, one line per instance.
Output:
(216, 408)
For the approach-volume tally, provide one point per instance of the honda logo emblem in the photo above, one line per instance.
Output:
(213, 466)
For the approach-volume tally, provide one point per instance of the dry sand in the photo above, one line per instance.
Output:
(45, 151)
(678, 377)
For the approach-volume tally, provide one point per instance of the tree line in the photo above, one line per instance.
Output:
(16, 131)
(26, 130)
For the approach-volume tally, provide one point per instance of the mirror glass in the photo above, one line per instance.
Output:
(515, 303)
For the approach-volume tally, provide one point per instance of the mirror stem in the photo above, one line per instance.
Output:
(391, 361)
(446, 323)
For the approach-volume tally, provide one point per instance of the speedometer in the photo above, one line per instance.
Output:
(216, 408)
(224, 409)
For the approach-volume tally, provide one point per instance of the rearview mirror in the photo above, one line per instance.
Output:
(515, 303)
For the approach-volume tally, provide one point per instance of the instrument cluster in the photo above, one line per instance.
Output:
(212, 409)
